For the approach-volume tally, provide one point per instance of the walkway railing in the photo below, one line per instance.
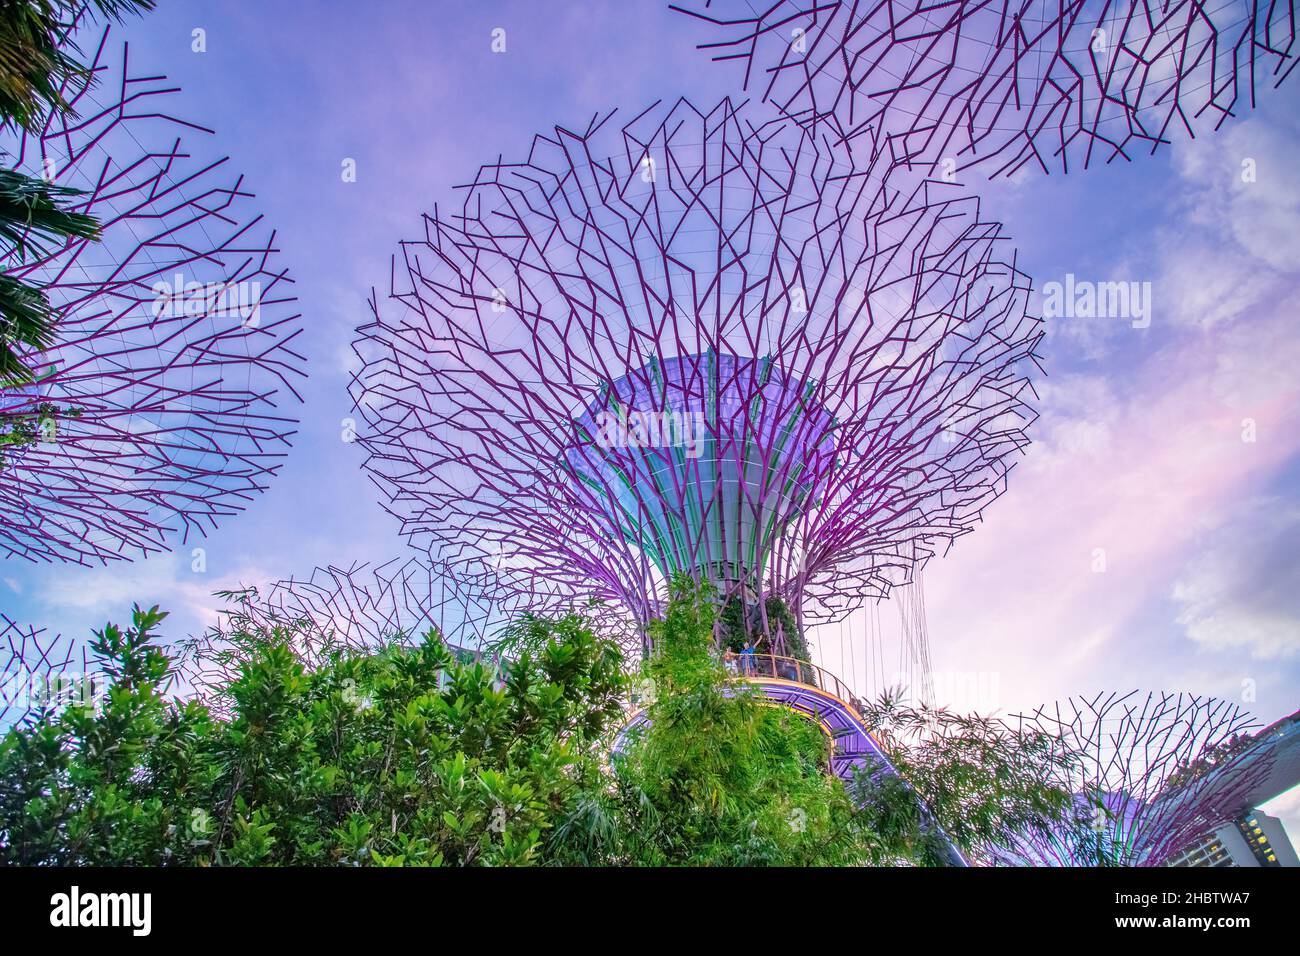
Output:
(791, 669)
(852, 741)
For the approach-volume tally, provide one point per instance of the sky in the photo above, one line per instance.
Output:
(1143, 541)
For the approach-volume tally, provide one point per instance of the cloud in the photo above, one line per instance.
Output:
(1234, 248)
(102, 590)
(1133, 468)
(76, 603)
(1149, 456)
(1080, 413)
(1286, 807)
(1242, 589)
(1245, 180)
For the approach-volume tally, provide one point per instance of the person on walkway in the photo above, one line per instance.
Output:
(747, 659)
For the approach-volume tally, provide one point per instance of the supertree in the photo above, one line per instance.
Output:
(361, 607)
(160, 408)
(1048, 84)
(40, 671)
(1157, 771)
(697, 344)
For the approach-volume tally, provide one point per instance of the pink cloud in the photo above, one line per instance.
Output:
(1143, 463)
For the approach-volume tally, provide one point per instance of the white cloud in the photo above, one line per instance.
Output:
(1260, 211)
(1242, 589)
(1078, 416)
(1235, 246)
(1286, 807)
(1144, 456)
(79, 602)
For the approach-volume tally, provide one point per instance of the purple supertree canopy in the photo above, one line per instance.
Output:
(695, 344)
(361, 607)
(1157, 772)
(1047, 84)
(161, 407)
(657, 496)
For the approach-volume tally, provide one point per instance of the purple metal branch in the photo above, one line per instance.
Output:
(37, 669)
(1045, 84)
(851, 364)
(1164, 769)
(362, 607)
(160, 408)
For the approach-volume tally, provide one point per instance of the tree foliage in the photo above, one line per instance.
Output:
(717, 777)
(309, 753)
(742, 624)
(405, 756)
(976, 782)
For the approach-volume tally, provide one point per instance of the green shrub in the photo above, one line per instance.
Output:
(737, 631)
(718, 777)
(411, 755)
(406, 756)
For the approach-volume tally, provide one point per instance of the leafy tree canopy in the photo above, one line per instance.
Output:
(307, 753)
(403, 756)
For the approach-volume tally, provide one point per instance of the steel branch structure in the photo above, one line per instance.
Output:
(697, 344)
(1158, 771)
(162, 406)
(1046, 84)
(361, 607)
(39, 671)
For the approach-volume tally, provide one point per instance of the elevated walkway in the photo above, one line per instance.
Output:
(814, 693)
